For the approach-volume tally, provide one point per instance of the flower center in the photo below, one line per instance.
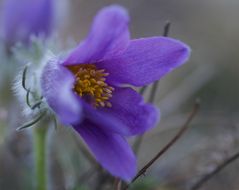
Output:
(91, 84)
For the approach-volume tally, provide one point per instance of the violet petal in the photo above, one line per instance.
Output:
(130, 109)
(57, 83)
(111, 150)
(107, 121)
(146, 60)
(109, 36)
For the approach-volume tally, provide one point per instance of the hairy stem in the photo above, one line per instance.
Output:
(40, 134)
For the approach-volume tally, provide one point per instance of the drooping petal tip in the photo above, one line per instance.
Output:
(111, 150)
(184, 51)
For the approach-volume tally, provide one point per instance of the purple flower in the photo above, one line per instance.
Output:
(24, 18)
(87, 90)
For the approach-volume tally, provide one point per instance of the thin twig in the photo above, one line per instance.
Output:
(166, 28)
(117, 184)
(152, 96)
(139, 139)
(155, 85)
(137, 144)
(102, 179)
(165, 148)
(153, 92)
(207, 177)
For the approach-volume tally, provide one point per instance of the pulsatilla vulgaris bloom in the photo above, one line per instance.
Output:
(88, 91)
(22, 19)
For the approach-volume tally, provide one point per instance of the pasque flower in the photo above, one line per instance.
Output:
(89, 89)
(22, 19)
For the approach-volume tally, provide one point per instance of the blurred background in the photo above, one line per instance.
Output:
(211, 29)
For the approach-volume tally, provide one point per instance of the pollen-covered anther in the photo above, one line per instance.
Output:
(91, 82)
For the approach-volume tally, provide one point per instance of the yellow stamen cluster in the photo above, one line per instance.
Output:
(91, 83)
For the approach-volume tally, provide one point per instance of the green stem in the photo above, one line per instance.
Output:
(40, 134)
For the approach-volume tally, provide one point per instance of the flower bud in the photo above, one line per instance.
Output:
(26, 18)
